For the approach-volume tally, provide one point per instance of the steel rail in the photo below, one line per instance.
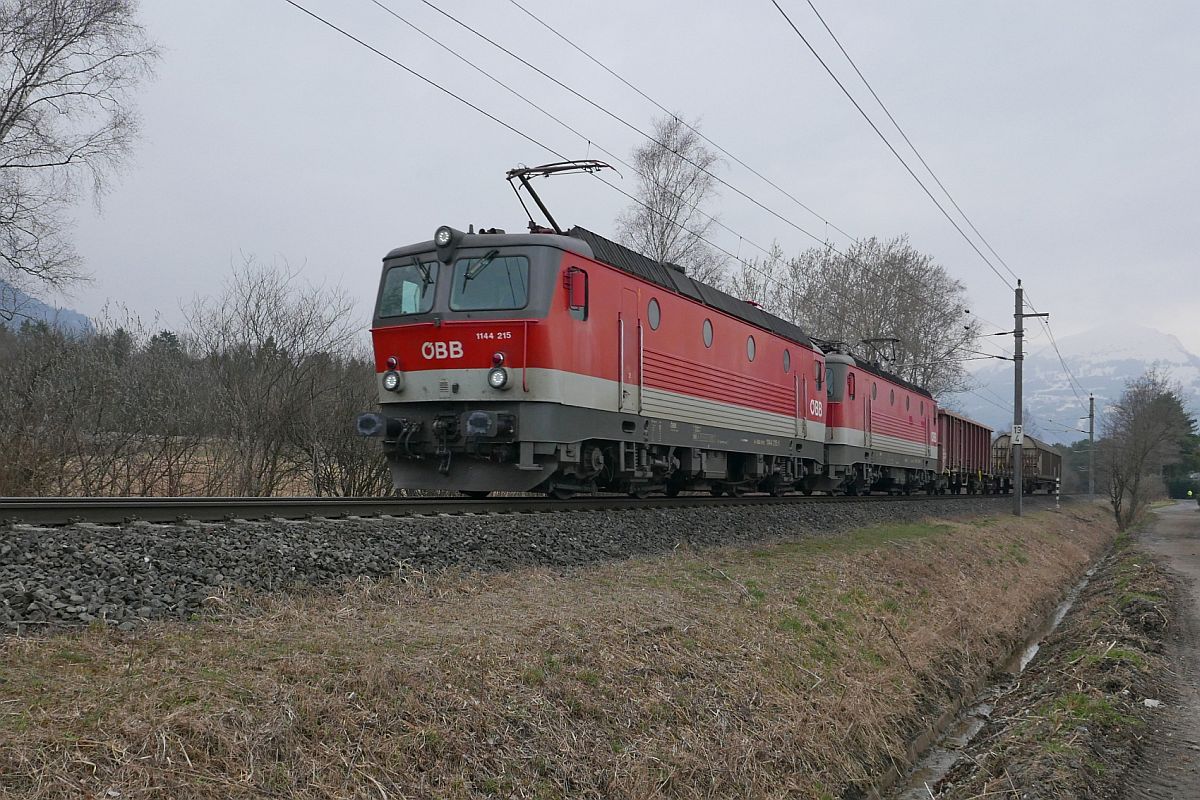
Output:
(52, 511)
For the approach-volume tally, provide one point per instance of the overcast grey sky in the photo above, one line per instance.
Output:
(1067, 130)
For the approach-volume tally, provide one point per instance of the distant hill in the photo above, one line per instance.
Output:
(31, 308)
(1102, 360)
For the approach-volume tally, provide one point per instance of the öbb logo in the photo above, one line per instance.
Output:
(432, 350)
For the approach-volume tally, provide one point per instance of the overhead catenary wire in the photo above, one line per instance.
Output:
(736, 190)
(1073, 383)
(908, 141)
(673, 115)
(891, 147)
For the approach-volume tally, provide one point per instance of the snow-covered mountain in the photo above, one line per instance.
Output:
(1102, 360)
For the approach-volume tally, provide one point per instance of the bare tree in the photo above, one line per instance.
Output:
(1146, 429)
(877, 290)
(342, 464)
(267, 343)
(675, 183)
(67, 72)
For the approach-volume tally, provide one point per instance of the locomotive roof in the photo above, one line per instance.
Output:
(672, 277)
(878, 371)
(669, 276)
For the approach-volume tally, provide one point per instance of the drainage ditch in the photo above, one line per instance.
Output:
(935, 753)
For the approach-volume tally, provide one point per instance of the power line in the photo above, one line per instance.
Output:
(908, 141)
(627, 124)
(890, 147)
(1006, 408)
(1071, 380)
(673, 115)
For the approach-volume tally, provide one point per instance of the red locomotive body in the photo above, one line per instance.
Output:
(881, 432)
(965, 462)
(569, 363)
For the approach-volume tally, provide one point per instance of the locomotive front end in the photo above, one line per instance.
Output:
(455, 337)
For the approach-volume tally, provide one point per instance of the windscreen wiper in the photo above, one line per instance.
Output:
(426, 278)
(473, 271)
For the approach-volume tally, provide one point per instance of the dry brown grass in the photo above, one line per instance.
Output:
(798, 669)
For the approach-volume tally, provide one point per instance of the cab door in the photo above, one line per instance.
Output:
(629, 329)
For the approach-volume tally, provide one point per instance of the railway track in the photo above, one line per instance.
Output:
(114, 510)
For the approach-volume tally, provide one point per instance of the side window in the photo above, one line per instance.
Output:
(850, 385)
(874, 390)
(708, 333)
(922, 408)
(828, 378)
(787, 361)
(576, 281)
(653, 314)
(751, 350)
(908, 403)
(892, 400)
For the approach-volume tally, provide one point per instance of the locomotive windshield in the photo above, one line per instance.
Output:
(409, 289)
(490, 282)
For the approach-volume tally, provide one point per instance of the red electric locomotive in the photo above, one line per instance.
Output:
(881, 432)
(568, 363)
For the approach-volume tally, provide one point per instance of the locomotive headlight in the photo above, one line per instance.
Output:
(498, 378)
(442, 236)
(393, 381)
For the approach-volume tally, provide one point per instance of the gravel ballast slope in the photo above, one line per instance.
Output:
(81, 574)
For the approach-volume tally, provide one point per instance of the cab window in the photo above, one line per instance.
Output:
(490, 282)
(408, 289)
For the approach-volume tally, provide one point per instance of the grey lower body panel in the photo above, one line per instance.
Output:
(531, 453)
(849, 454)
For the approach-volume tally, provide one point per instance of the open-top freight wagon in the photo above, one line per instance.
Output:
(964, 455)
(1041, 465)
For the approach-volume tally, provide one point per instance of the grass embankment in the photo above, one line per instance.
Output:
(1075, 722)
(799, 668)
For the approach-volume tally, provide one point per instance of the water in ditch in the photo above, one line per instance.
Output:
(938, 760)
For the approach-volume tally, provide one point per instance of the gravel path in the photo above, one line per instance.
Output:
(1170, 766)
(119, 575)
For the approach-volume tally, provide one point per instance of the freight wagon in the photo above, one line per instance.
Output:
(1041, 465)
(965, 455)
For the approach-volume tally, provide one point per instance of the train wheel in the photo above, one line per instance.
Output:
(717, 491)
(474, 494)
(558, 493)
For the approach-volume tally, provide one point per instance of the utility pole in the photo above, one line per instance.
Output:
(1091, 447)
(1017, 438)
